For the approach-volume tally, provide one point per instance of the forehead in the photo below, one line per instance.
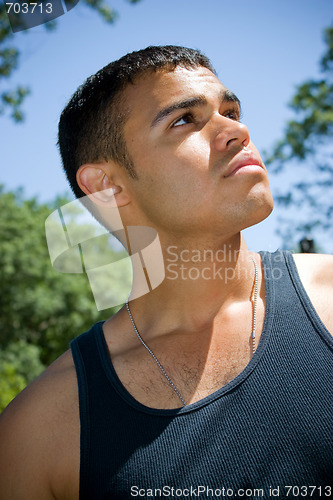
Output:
(155, 91)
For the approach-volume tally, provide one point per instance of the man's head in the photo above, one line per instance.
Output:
(91, 125)
(163, 115)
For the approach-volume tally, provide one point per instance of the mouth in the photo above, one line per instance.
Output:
(246, 164)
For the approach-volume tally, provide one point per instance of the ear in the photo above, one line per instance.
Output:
(103, 184)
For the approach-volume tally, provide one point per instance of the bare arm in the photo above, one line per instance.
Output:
(39, 436)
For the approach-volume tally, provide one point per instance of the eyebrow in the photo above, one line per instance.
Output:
(193, 102)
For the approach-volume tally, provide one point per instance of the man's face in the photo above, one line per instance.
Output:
(197, 170)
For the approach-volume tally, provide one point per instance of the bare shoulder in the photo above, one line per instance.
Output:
(316, 273)
(39, 435)
(315, 269)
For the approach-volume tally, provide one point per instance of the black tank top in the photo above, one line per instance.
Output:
(267, 433)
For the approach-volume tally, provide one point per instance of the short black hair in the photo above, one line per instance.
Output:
(91, 125)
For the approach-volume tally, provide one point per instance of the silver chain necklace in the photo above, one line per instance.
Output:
(255, 301)
(253, 333)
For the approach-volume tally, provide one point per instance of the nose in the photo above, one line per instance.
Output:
(230, 134)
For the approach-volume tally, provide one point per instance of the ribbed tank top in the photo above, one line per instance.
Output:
(271, 427)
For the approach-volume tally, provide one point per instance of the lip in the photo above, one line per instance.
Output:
(245, 161)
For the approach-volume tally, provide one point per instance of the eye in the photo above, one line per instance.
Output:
(233, 114)
(183, 120)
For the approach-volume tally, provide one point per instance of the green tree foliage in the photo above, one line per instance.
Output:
(41, 310)
(11, 99)
(307, 143)
(11, 383)
(19, 364)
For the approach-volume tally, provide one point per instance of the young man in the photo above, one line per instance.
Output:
(219, 382)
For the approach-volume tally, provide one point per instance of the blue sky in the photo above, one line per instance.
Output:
(260, 49)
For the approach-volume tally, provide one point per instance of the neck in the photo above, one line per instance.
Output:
(200, 282)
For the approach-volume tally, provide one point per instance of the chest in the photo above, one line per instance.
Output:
(156, 372)
(157, 380)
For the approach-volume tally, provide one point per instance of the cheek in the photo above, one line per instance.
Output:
(194, 153)
(172, 174)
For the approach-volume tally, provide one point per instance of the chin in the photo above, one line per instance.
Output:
(259, 210)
